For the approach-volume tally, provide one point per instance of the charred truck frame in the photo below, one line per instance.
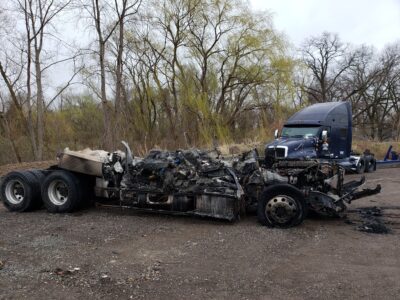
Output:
(189, 182)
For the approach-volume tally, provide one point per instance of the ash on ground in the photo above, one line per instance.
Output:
(371, 218)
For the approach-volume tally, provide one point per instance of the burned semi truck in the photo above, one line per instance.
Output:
(187, 182)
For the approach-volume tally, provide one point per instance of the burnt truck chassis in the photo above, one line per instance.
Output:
(186, 182)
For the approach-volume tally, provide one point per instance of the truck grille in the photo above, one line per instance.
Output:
(280, 152)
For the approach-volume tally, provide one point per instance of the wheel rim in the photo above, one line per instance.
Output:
(58, 192)
(281, 209)
(15, 192)
(371, 165)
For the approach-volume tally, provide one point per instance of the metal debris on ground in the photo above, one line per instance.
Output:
(62, 272)
(371, 221)
(105, 278)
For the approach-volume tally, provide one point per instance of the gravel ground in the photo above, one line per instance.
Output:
(108, 253)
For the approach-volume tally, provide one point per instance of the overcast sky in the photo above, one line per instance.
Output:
(371, 22)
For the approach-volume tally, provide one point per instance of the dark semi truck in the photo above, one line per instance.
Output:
(321, 131)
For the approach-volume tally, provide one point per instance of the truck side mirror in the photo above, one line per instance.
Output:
(324, 135)
(276, 134)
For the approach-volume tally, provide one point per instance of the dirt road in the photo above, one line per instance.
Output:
(107, 253)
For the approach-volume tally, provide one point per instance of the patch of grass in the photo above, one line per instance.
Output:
(234, 149)
(378, 148)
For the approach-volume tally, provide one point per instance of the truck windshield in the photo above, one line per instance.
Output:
(300, 132)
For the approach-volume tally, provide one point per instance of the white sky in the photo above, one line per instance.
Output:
(371, 22)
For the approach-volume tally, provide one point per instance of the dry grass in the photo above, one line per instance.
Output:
(232, 149)
(378, 148)
(4, 169)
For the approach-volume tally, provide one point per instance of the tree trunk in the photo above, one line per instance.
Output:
(118, 88)
(40, 107)
(31, 128)
(108, 136)
(119, 102)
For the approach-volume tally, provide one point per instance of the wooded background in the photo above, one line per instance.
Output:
(173, 73)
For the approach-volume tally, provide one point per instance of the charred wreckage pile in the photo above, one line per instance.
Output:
(190, 182)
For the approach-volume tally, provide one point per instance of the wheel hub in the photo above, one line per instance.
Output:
(15, 192)
(58, 192)
(281, 209)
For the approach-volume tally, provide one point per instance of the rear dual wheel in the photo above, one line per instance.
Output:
(20, 191)
(371, 166)
(366, 164)
(62, 192)
(360, 168)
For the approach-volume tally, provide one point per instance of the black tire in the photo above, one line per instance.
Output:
(40, 176)
(20, 191)
(269, 161)
(371, 167)
(87, 184)
(360, 168)
(61, 192)
(290, 203)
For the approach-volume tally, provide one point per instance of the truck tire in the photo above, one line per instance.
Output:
(87, 184)
(61, 192)
(360, 168)
(371, 167)
(20, 191)
(40, 176)
(281, 205)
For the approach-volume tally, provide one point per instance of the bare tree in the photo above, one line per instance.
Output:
(124, 9)
(327, 58)
(371, 84)
(39, 15)
(26, 52)
(385, 94)
(108, 18)
(207, 27)
(171, 19)
(240, 73)
(97, 10)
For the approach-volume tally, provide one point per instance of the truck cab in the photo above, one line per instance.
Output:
(322, 130)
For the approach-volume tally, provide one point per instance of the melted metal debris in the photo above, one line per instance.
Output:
(371, 221)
